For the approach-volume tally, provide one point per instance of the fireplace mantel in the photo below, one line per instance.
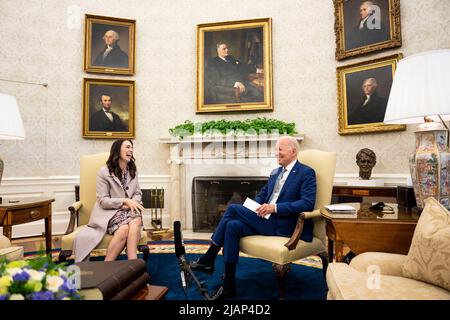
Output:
(223, 155)
(223, 138)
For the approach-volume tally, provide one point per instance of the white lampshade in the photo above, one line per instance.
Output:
(421, 87)
(11, 126)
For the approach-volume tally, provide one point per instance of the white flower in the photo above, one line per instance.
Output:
(62, 272)
(54, 282)
(16, 296)
(35, 275)
(13, 271)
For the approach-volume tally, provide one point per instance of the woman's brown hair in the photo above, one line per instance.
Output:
(113, 160)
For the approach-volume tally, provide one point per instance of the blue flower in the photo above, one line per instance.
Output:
(22, 276)
(24, 280)
(65, 287)
(43, 295)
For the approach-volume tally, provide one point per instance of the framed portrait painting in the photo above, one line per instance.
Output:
(109, 45)
(363, 92)
(234, 66)
(365, 26)
(108, 109)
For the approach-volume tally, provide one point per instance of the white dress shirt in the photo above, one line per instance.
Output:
(277, 189)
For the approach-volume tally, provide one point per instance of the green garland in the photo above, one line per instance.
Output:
(257, 126)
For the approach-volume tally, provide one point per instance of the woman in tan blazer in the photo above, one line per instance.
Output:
(118, 208)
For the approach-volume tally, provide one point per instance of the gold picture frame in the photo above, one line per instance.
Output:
(361, 29)
(115, 96)
(363, 92)
(234, 66)
(109, 45)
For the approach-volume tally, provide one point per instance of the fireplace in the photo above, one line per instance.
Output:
(234, 156)
(212, 195)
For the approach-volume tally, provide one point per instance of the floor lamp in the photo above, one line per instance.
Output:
(11, 126)
(420, 93)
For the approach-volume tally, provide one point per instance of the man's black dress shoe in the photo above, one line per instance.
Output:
(222, 294)
(196, 266)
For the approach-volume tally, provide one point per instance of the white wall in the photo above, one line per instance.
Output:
(38, 46)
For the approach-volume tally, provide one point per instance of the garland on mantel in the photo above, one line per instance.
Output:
(236, 127)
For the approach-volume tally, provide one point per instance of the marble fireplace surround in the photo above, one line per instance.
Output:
(219, 156)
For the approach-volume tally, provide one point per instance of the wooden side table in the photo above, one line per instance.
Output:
(151, 292)
(346, 192)
(370, 230)
(27, 210)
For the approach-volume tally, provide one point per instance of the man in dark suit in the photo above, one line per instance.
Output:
(372, 107)
(105, 119)
(226, 79)
(369, 30)
(111, 55)
(291, 189)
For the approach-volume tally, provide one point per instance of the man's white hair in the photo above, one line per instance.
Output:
(368, 3)
(372, 81)
(292, 142)
(116, 35)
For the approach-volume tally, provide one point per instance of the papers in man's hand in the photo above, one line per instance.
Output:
(252, 205)
(341, 209)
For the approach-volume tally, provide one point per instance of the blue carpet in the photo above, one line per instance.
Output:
(255, 279)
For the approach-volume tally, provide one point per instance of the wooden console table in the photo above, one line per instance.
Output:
(27, 210)
(370, 230)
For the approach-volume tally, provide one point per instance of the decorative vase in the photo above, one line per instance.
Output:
(430, 165)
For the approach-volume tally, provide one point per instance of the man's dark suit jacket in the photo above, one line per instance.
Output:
(220, 77)
(100, 122)
(362, 37)
(226, 73)
(115, 58)
(372, 112)
(297, 195)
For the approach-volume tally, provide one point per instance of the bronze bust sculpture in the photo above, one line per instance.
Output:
(366, 160)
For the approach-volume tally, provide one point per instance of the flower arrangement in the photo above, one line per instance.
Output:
(37, 279)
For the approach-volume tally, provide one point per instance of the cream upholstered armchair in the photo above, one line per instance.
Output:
(8, 251)
(281, 251)
(80, 211)
(422, 274)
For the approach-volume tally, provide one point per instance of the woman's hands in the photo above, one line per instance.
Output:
(133, 205)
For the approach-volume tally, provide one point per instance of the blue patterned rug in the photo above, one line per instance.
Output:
(255, 279)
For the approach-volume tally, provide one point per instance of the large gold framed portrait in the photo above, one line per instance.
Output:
(234, 66)
(365, 26)
(109, 45)
(363, 92)
(108, 109)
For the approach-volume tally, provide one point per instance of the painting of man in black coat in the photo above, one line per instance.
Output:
(371, 27)
(105, 119)
(111, 55)
(371, 108)
(227, 79)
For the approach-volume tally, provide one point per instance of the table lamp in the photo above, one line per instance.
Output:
(11, 126)
(420, 93)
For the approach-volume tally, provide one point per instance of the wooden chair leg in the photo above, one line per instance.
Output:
(145, 252)
(281, 272)
(324, 257)
(63, 255)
